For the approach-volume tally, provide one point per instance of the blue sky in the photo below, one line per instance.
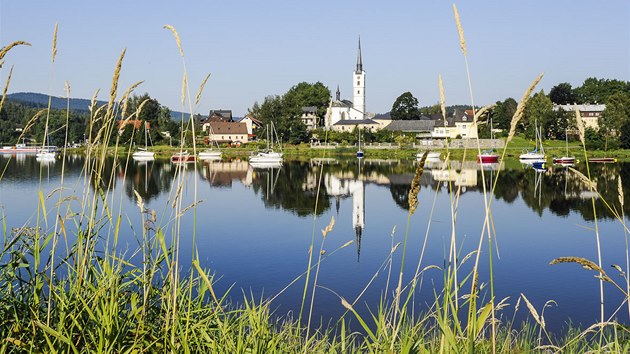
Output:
(257, 48)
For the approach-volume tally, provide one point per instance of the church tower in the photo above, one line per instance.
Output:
(358, 83)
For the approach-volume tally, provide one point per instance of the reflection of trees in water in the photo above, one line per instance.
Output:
(287, 188)
(148, 178)
(25, 168)
(294, 186)
(562, 192)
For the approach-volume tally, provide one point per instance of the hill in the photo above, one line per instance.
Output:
(39, 100)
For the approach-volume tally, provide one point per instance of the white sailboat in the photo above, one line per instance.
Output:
(269, 155)
(143, 154)
(538, 154)
(47, 152)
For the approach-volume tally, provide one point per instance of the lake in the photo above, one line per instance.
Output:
(253, 226)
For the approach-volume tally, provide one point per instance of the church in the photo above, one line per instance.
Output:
(345, 115)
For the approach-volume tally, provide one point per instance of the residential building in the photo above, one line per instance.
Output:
(253, 126)
(227, 132)
(459, 124)
(218, 115)
(590, 113)
(309, 117)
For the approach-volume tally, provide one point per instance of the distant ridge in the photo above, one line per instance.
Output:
(40, 100)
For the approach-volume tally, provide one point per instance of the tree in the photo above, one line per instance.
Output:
(405, 107)
(538, 113)
(562, 94)
(615, 115)
(561, 121)
(429, 110)
(599, 90)
(285, 111)
(503, 112)
(624, 136)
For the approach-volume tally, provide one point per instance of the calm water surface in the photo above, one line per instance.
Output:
(253, 227)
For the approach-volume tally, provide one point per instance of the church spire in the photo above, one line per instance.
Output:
(338, 94)
(359, 62)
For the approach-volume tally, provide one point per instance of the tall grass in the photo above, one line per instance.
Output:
(91, 297)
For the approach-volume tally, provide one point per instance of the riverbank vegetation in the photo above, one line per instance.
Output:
(65, 286)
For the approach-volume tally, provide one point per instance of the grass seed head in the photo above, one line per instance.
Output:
(203, 84)
(177, 40)
(520, 108)
(6, 49)
(6, 88)
(620, 190)
(460, 30)
(442, 99)
(415, 184)
(54, 43)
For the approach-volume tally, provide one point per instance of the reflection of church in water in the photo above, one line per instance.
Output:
(346, 187)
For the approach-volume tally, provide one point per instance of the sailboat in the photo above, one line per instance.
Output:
(359, 151)
(47, 152)
(566, 159)
(268, 156)
(536, 154)
(488, 156)
(143, 154)
(210, 153)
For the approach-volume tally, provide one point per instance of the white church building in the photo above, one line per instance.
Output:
(345, 115)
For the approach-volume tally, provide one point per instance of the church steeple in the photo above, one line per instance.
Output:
(338, 94)
(359, 62)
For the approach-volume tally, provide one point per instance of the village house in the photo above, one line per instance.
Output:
(227, 132)
(309, 117)
(590, 112)
(253, 126)
(460, 124)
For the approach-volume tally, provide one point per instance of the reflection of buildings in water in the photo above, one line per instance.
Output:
(463, 178)
(344, 188)
(222, 173)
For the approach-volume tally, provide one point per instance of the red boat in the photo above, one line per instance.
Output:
(183, 157)
(603, 159)
(487, 157)
(564, 160)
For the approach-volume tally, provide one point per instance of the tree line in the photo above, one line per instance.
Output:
(285, 111)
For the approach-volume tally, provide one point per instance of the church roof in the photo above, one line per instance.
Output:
(359, 61)
(342, 103)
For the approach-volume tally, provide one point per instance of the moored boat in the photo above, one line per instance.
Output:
(487, 156)
(143, 155)
(210, 154)
(266, 156)
(602, 159)
(538, 153)
(21, 148)
(183, 157)
(431, 155)
(564, 160)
